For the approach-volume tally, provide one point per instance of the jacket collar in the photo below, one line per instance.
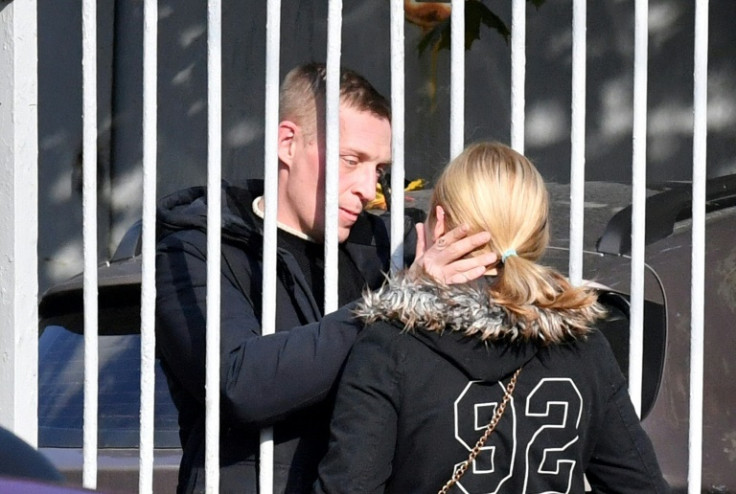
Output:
(468, 309)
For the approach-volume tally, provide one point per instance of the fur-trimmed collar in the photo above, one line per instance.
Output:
(421, 303)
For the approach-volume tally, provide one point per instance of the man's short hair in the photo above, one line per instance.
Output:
(302, 95)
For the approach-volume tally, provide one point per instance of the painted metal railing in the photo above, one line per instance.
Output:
(697, 286)
(148, 244)
(89, 226)
(268, 314)
(18, 150)
(18, 219)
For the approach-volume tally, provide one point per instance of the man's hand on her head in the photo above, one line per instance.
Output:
(445, 260)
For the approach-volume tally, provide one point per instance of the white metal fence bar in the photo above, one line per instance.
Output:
(332, 150)
(89, 207)
(457, 78)
(638, 202)
(214, 215)
(697, 311)
(19, 219)
(518, 73)
(577, 158)
(397, 133)
(148, 246)
(270, 173)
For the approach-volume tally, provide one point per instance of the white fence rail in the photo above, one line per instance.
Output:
(18, 182)
(18, 219)
(89, 209)
(148, 244)
(268, 324)
(697, 311)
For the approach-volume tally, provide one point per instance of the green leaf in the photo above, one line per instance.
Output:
(476, 14)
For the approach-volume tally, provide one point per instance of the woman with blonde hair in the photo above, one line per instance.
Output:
(498, 385)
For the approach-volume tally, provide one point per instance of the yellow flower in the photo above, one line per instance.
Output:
(380, 201)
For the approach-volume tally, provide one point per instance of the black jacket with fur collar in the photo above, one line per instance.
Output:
(412, 403)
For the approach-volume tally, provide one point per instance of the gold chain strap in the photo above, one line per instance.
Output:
(489, 429)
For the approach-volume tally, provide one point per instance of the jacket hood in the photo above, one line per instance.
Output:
(187, 209)
(462, 323)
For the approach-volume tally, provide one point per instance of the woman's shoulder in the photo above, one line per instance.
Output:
(597, 343)
(386, 340)
(382, 332)
(596, 353)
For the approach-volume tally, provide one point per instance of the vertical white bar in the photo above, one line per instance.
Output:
(89, 207)
(577, 171)
(638, 202)
(332, 151)
(268, 314)
(397, 134)
(457, 78)
(697, 312)
(518, 73)
(214, 215)
(148, 246)
(19, 220)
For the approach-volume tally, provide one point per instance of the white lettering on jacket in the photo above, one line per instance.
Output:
(542, 431)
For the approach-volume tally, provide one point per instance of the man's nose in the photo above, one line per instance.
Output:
(365, 184)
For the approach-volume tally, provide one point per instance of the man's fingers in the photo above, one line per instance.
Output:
(461, 246)
(456, 234)
(449, 258)
(451, 237)
(468, 275)
(465, 270)
(482, 262)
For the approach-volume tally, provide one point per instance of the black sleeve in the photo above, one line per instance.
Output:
(262, 378)
(623, 459)
(364, 423)
(411, 218)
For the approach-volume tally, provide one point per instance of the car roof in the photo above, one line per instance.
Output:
(663, 211)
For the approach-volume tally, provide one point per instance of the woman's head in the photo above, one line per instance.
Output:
(490, 187)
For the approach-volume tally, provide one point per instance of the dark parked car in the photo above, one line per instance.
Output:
(607, 245)
(61, 380)
(667, 313)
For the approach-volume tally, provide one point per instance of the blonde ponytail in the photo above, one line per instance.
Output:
(524, 287)
(493, 188)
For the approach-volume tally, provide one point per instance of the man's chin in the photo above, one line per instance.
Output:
(343, 232)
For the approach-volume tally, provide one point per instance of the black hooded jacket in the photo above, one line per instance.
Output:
(279, 380)
(411, 404)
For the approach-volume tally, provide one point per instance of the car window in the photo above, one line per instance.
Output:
(61, 391)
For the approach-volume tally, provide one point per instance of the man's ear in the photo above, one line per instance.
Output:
(439, 225)
(286, 144)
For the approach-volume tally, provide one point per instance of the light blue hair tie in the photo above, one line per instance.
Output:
(507, 254)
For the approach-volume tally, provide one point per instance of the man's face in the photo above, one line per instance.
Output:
(365, 151)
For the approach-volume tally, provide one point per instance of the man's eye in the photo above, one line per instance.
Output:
(350, 161)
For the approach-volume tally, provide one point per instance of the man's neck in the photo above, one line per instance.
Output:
(258, 211)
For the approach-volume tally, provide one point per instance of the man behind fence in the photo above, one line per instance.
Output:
(283, 380)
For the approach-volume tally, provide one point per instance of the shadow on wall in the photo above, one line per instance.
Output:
(182, 120)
